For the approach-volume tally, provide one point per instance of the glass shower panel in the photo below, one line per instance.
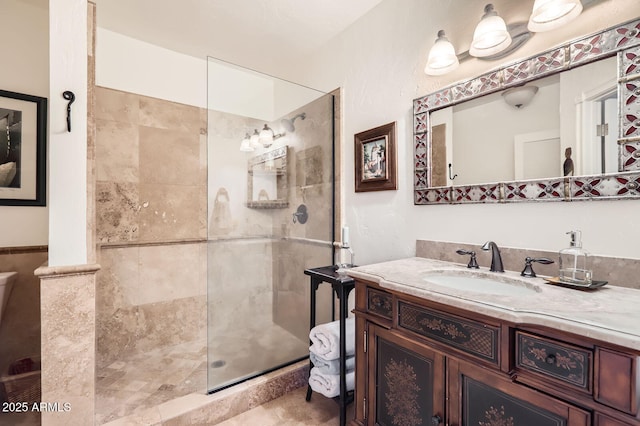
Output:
(270, 216)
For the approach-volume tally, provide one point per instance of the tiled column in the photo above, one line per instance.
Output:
(68, 341)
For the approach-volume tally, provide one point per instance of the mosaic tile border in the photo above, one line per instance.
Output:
(623, 40)
(576, 188)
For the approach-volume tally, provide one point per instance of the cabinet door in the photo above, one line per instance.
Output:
(406, 381)
(483, 398)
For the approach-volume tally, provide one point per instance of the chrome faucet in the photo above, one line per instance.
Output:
(496, 259)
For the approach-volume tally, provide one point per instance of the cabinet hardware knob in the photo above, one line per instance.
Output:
(436, 420)
(550, 359)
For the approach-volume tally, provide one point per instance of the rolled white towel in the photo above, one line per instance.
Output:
(329, 384)
(325, 339)
(332, 366)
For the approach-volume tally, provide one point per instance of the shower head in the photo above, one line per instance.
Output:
(288, 123)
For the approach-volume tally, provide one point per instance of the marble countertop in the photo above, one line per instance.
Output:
(610, 314)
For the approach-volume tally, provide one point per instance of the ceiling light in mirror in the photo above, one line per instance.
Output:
(255, 139)
(550, 14)
(519, 97)
(491, 35)
(442, 56)
(267, 136)
(245, 145)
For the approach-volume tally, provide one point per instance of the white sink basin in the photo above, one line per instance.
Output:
(487, 284)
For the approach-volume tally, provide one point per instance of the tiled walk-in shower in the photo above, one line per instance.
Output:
(203, 247)
(141, 381)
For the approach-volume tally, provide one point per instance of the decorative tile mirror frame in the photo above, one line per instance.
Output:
(623, 40)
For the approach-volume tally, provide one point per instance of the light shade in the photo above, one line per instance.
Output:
(442, 57)
(255, 139)
(491, 35)
(550, 14)
(519, 97)
(245, 145)
(266, 136)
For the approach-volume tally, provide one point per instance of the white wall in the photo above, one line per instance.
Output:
(25, 31)
(134, 66)
(68, 149)
(379, 63)
(131, 65)
(484, 131)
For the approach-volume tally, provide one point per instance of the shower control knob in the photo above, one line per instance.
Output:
(301, 215)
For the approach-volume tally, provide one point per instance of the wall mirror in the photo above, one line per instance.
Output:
(267, 180)
(576, 138)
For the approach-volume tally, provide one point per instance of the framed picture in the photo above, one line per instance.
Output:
(375, 160)
(23, 130)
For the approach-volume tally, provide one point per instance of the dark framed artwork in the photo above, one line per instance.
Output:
(23, 132)
(375, 159)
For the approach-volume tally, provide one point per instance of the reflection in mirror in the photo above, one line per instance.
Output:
(577, 138)
(267, 182)
(559, 125)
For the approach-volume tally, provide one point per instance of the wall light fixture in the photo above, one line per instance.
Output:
(442, 56)
(491, 35)
(551, 14)
(493, 39)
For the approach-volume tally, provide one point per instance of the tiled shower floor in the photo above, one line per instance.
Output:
(132, 385)
(142, 381)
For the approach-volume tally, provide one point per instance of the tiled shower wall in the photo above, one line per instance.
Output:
(151, 208)
(251, 235)
(151, 223)
(306, 245)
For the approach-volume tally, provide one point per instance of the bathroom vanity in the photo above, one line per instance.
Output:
(439, 344)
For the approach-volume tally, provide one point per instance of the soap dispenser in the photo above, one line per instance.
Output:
(575, 263)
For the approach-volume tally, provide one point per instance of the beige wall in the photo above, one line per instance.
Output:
(25, 27)
(292, 289)
(20, 327)
(149, 296)
(151, 177)
(151, 222)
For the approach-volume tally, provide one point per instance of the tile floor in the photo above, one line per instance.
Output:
(132, 385)
(292, 410)
(288, 410)
(139, 382)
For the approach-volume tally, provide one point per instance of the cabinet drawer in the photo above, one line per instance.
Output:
(379, 303)
(560, 362)
(472, 337)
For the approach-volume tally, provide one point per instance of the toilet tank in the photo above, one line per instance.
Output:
(7, 280)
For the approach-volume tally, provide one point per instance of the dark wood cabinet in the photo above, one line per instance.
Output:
(408, 377)
(488, 399)
(423, 363)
